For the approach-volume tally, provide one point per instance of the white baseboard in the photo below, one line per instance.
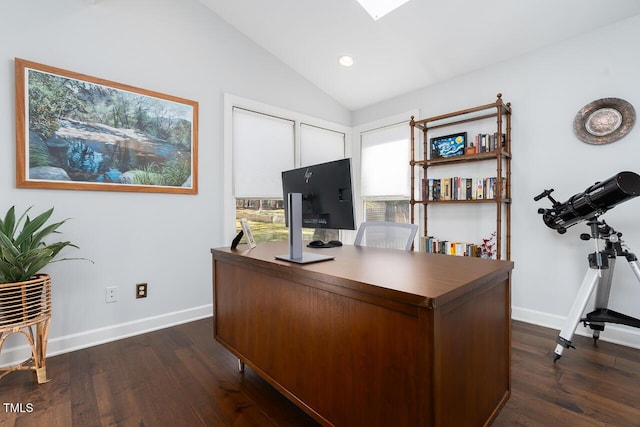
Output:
(617, 334)
(69, 343)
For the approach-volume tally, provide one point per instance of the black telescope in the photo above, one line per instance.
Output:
(591, 203)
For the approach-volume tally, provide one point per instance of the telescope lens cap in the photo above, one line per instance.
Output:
(629, 183)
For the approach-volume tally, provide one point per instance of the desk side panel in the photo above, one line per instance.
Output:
(343, 360)
(473, 354)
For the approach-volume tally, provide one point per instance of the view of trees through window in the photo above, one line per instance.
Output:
(267, 222)
(266, 218)
(387, 210)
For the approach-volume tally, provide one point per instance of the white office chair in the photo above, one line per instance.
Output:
(382, 234)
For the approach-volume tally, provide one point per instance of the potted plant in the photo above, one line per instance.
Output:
(487, 247)
(23, 253)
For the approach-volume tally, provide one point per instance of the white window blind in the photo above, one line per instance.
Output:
(263, 147)
(319, 145)
(385, 162)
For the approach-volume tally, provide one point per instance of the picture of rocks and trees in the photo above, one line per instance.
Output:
(81, 130)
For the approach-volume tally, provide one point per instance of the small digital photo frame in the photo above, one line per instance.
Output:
(246, 228)
(448, 145)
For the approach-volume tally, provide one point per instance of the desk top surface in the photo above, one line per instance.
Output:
(409, 277)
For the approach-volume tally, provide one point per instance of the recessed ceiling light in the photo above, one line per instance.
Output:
(379, 8)
(345, 61)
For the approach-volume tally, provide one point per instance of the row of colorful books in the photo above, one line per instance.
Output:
(430, 244)
(458, 188)
(484, 142)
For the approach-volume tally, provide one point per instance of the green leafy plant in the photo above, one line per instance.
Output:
(174, 173)
(23, 251)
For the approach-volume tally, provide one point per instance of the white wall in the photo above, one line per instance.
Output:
(176, 47)
(180, 48)
(547, 88)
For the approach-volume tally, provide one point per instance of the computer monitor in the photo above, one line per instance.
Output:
(327, 196)
(317, 196)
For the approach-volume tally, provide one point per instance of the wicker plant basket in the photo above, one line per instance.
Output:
(25, 308)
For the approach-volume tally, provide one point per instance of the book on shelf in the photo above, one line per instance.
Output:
(430, 189)
(429, 244)
(486, 142)
(468, 189)
(490, 185)
(446, 189)
(479, 188)
(435, 189)
(460, 188)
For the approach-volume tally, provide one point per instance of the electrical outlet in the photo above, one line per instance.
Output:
(141, 290)
(112, 294)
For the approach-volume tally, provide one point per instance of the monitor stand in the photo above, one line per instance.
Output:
(294, 218)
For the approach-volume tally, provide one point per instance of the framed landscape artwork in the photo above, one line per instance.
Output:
(79, 132)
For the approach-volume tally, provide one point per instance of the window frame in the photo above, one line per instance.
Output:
(358, 132)
(231, 101)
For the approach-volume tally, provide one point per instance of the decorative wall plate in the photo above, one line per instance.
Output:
(604, 120)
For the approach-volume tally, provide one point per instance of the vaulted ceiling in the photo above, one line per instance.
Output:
(421, 43)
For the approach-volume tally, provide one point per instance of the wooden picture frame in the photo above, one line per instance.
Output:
(79, 132)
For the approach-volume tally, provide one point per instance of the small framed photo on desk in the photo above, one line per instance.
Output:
(246, 228)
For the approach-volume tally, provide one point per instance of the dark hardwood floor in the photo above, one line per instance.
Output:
(181, 377)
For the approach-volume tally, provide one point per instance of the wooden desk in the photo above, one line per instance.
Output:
(376, 337)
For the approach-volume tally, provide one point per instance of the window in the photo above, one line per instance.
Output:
(319, 145)
(263, 146)
(264, 141)
(385, 173)
(387, 210)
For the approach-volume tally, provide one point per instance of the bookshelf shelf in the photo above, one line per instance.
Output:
(431, 202)
(465, 158)
(500, 155)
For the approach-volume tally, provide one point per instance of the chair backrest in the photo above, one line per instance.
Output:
(382, 234)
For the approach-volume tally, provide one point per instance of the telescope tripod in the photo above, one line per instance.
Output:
(599, 275)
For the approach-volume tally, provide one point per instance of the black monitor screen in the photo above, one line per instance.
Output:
(327, 196)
